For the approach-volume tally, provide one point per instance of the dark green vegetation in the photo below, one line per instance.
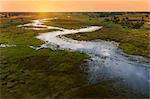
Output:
(131, 21)
(27, 73)
(101, 90)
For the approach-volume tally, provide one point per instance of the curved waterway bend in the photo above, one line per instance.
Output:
(106, 63)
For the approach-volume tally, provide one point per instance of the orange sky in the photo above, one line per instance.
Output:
(73, 5)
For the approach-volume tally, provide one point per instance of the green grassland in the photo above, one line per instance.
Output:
(73, 21)
(11, 34)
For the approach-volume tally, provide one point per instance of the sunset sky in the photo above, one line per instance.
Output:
(73, 5)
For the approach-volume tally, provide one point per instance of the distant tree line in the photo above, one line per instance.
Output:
(126, 21)
(11, 14)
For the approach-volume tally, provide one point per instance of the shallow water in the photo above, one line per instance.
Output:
(6, 45)
(107, 61)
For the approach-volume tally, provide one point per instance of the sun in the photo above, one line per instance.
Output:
(42, 7)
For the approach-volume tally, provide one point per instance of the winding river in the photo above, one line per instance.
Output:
(107, 61)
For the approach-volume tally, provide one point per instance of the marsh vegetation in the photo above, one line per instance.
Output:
(44, 73)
